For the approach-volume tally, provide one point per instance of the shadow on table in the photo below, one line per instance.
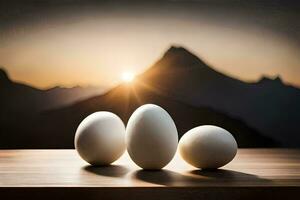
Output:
(110, 170)
(224, 174)
(161, 177)
(198, 177)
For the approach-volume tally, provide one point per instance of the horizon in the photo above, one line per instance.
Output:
(105, 88)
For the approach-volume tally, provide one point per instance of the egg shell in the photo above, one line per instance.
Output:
(100, 138)
(207, 147)
(151, 137)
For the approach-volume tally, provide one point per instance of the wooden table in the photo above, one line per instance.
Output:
(61, 174)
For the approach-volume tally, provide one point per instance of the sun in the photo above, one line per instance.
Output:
(128, 77)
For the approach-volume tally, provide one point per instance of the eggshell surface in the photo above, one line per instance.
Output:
(207, 147)
(151, 137)
(100, 138)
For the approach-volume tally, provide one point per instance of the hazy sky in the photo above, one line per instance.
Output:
(73, 42)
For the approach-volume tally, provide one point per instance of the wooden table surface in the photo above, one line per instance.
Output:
(61, 174)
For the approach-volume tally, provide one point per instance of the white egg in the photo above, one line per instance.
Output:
(151, 137)
(207, 147)
(100, 138)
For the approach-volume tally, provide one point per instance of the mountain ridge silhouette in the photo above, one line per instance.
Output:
(182, 76)
(21, 97)
(189, 89)
(187, 78)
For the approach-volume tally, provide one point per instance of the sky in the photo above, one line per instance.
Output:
(74, 42)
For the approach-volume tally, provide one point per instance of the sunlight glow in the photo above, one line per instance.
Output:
(128, 77)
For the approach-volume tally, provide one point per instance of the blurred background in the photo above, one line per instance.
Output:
(235, 64)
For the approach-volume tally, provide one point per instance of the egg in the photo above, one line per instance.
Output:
(151, 137)
(207, 147)
(100, 138)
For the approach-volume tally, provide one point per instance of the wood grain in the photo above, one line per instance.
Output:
(62, 174)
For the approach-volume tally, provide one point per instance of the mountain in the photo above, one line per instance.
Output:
(56, 128)
(269, 106)
(21, 106)
(161, 85)
(21, 98)
(261, 114)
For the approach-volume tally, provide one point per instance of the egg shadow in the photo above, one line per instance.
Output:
(109, 170)
(227, 175)
(197, 177)
(162, 177)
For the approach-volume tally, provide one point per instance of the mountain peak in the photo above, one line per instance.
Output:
(265, 79)
(181, 55)
(175, 50)
(278, 79)
(4, 79)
